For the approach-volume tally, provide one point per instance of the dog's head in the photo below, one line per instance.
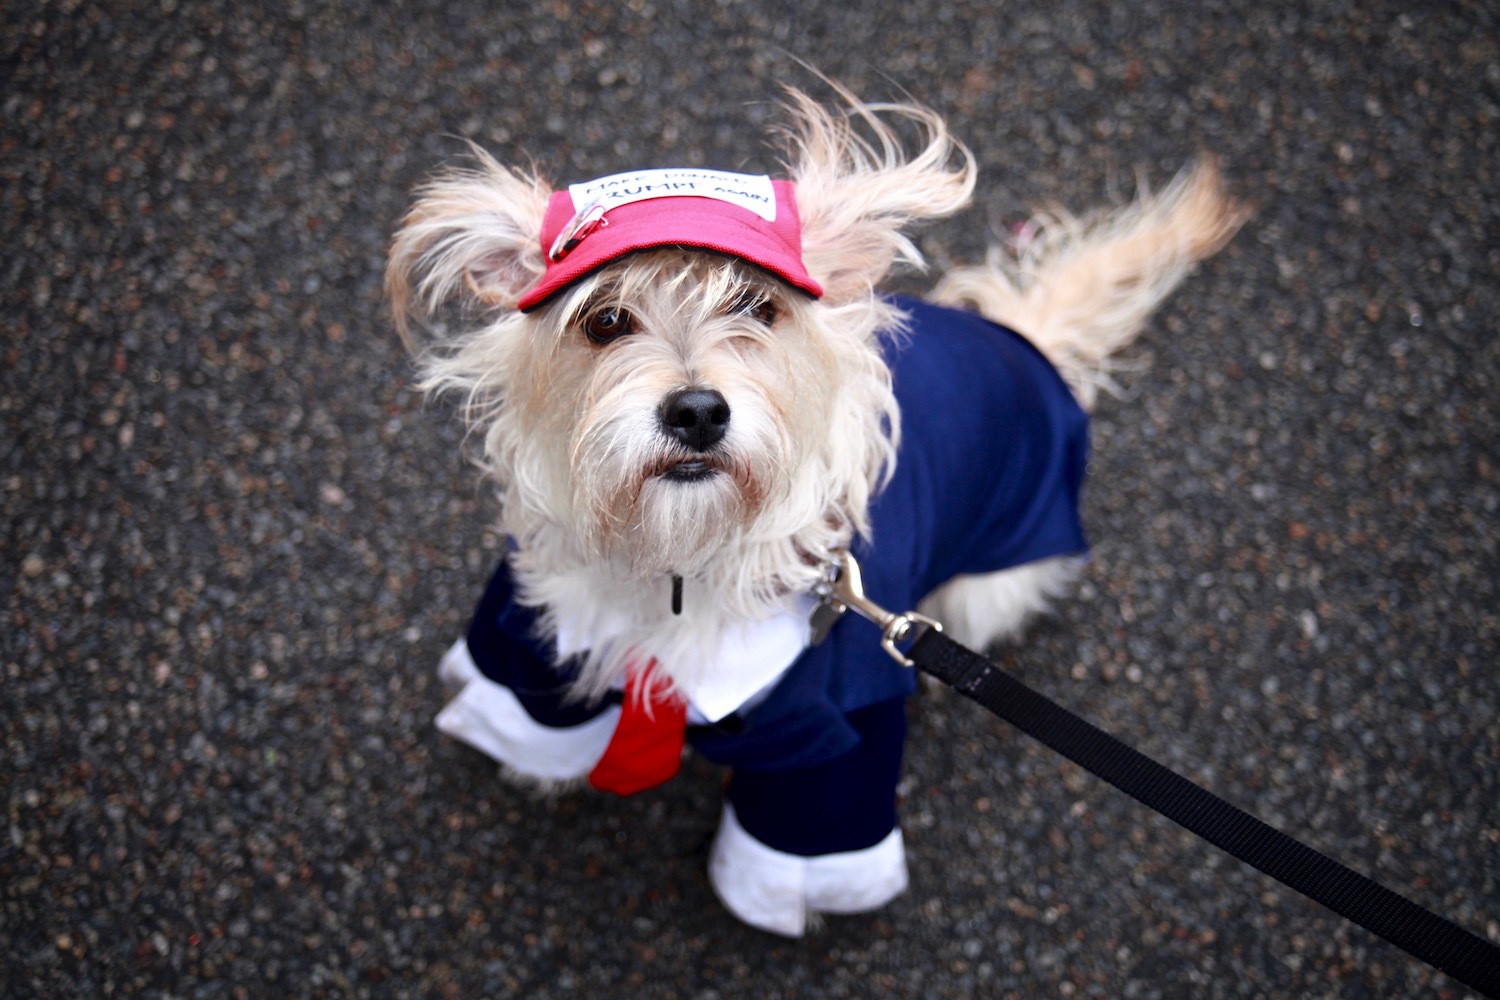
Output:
(661, 378)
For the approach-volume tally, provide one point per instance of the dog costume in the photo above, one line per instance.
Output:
(992, 455)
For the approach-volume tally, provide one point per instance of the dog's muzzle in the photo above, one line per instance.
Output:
(698, 419)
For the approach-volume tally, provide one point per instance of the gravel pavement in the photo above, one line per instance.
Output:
(237, 539)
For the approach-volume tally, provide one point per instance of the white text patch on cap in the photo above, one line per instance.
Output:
(749, 191)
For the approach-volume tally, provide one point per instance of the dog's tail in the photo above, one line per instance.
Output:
(1081, 288)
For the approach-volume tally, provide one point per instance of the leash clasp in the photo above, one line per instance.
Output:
(845, 590)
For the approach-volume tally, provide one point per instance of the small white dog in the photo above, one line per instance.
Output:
(691, 396)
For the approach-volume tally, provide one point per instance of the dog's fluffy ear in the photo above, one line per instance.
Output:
(472, 232)
(856, 195)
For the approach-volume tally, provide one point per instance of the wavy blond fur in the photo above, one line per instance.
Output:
(1082, 287)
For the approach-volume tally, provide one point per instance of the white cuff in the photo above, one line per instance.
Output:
(778, 892)
(490, 718)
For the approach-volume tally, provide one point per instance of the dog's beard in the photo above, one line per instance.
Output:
(675, 527)
(646, 502)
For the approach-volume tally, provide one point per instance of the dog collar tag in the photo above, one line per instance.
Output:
(749, 191)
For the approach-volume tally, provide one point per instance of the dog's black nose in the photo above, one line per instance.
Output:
(698, 418)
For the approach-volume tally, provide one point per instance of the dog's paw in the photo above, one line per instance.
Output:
(787, 894)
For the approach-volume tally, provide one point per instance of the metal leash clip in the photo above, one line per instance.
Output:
(843, 589)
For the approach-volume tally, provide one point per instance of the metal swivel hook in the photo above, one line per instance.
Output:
(844, 589)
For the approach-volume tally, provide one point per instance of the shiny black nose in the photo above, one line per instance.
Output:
(698, 418)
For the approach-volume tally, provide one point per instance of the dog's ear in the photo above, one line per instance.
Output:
(472, 232)
(856, 196)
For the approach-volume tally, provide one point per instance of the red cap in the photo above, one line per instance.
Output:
(753, 218)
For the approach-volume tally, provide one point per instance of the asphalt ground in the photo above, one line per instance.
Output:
(237, 540)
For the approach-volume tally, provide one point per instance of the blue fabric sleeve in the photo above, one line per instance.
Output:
(847, 803)
(502, 640)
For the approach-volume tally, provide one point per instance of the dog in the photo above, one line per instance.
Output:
(692, 396)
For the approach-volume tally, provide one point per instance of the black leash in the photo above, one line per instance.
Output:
(1440, 943)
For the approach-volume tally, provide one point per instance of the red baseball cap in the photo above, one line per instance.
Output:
(748, 216)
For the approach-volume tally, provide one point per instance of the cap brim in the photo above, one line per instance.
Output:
(696, 223)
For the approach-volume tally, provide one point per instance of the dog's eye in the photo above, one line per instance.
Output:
(608, 323)
(759, 308)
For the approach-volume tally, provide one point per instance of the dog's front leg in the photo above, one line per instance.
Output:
(489, 717)
(797, 843)
(512, 703)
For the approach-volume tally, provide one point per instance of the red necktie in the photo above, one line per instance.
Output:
(646, 748)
